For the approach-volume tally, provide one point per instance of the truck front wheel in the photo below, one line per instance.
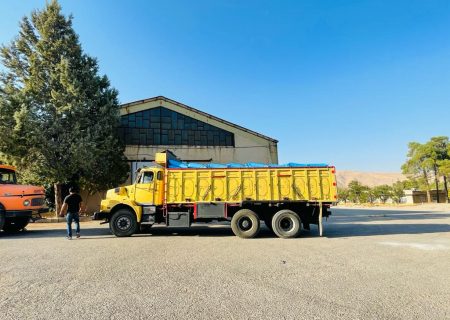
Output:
(123, 223)
(286, 224)
(2, 218)
(15, 225)
(245, 223)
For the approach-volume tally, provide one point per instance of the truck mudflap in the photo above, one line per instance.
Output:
(324, 211)
(320, 219)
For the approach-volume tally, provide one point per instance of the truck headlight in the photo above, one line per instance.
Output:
(26, 203)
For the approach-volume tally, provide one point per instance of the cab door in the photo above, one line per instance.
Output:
(145, 188)
(158, 195)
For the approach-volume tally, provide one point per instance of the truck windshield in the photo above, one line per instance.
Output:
(7, 176)
(146, 177)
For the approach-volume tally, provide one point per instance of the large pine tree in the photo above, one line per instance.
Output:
(58, 116)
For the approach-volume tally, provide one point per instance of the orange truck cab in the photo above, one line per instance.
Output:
(18, 203)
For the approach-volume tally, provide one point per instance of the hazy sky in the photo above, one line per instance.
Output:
(348, 83)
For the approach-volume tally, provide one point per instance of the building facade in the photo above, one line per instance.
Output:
(155, 124)
(416, 196)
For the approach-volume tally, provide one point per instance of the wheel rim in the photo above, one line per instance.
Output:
(123, 223)
(286, 224)
(245, 223)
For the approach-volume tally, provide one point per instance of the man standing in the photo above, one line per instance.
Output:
(72, 205)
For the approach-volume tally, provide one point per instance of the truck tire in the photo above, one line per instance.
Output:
(245, 223)
(286, 224)
(123, 223)
(15, 225)
(2, 217)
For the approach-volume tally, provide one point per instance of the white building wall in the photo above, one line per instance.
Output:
(245, 150)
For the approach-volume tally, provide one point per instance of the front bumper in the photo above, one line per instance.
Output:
(100, 215)
(33, 214)
(18, 214)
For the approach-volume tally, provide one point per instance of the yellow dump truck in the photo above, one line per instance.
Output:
(177, 194)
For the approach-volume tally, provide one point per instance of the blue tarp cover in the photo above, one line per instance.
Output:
(195, 165)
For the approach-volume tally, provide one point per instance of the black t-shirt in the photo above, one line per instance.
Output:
(73, 202)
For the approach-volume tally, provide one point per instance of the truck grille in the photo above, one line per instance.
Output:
(37, 202)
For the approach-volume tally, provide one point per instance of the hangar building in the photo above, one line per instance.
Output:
(155, 124)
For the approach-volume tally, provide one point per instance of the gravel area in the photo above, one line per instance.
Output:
(371, 264)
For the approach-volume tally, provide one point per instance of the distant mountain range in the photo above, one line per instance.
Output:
(370, 179)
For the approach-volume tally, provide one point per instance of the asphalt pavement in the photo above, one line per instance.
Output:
(370, 264)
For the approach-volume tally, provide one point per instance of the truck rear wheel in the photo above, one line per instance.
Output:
(15, 225)
(123, 223)
(286, 224)
(245, 223)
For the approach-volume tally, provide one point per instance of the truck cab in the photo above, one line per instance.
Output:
(142, 198)
(18, 203)
(149, 187)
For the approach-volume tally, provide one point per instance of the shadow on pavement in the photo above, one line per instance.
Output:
(354, 222)
(375, 215)
(55, 233)
(343, 223)
(91, 233)
(200, 231)
(358, 230)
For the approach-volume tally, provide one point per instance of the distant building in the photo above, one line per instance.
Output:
(416, 196)
(155, 124)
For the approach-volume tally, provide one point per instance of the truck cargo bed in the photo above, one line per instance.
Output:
(251, 184)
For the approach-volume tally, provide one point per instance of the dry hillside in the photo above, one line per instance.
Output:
(367, 178)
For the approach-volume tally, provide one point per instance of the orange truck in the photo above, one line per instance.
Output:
(18, 203)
